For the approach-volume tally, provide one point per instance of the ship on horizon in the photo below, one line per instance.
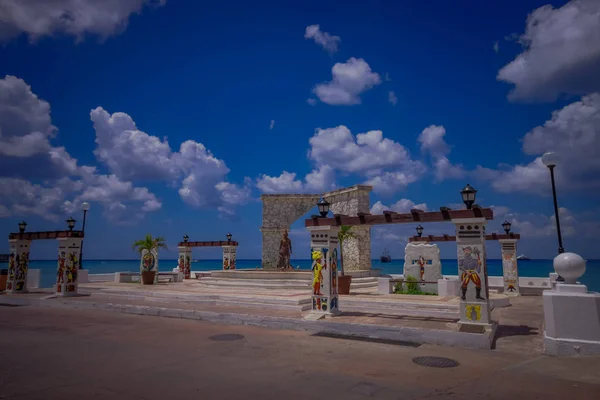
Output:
(523, 257)
(385, 257)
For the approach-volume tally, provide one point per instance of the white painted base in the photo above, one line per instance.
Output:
(572, 318)
(33, 278)
(384, 286)
(448, 287)
(317, 315)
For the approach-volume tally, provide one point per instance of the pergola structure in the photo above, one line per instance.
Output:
(69, 258)
(470, 238)
(185, 253)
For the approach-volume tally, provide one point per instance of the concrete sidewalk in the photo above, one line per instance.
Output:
(52, 353)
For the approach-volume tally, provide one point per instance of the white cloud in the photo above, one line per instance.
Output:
(392, 98)
(401, 206)
(324, 39)
(573, 132)
(311, 101)
(272, 124)
(38, 18)
(349, 80)
(433, 143)
(561, 53)
(133, 154)
(496, 47)
(318, 181)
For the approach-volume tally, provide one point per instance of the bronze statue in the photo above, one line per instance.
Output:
(285, 251)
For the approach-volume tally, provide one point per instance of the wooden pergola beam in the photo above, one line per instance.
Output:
(208, 244)
(391, 217)
(44, 235)
(449, 238)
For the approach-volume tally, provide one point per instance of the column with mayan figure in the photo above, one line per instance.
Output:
(510, 272)
(472, 271)
(324, 255)
(184, 261)
(69, 251)
(18, 263)
(229, 256)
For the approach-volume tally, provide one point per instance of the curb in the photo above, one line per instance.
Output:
(399, 334)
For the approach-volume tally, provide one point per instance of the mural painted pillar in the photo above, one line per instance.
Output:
(18, 263)
(510, 272)
(472, 272)
(229, 254)
(67, 272)
(149, 262)
(324, 256)
(185, 261)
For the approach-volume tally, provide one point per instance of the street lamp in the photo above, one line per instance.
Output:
(71, 223)
(468, 196)
(185, 238)
(550, 160)
(323, 206)
(22, 226)
(229, 237)
(419, 230)
(506, 226)
(85, 206)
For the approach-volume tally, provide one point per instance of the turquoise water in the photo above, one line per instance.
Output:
(532, 268)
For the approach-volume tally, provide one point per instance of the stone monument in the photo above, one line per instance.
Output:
(422, 262)
(285, 252)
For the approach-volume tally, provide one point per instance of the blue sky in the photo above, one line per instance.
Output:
(96, 100)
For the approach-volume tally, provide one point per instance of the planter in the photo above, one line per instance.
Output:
(344, 284)
(148, 277)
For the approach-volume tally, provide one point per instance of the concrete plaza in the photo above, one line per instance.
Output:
(63, 353)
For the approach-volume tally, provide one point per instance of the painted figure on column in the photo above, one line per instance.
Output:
(73, 266)
(60, 273)
(421, 261)
(187, 267)
(181, 263)
(334, 272)
(225, 262)
(317, 269)
(509, 264)
(12, 266)
(21, 273)
(232, 263)
(285, 251)
(470, 269)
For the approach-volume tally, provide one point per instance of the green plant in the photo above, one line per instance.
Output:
(412, 287)
(344, 234)
(149, 243)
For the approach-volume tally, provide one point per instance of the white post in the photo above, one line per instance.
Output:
(18, 263)
(472, 271)
(510, 272)
(324, 255)
(67, 273)
(185, 260)
(229, 256)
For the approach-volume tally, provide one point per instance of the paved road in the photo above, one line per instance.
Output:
(50, 353)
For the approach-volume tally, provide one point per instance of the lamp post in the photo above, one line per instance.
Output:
(185, 238)
(229, 237)
(71, 223)
(506, 226)
(468, 196)
(85, 206)
(22, 226)
(323, 206)
(419, 230)
(550, 160)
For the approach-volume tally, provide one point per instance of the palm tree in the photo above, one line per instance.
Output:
(149, 243)
(344, 233)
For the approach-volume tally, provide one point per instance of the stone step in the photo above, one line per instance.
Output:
(283, 284)
(409, 312)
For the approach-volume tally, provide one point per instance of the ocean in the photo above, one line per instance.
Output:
(532, 268)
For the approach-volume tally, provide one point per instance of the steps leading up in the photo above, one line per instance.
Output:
(277, 283)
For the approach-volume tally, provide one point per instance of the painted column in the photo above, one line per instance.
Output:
(324, 256)
(18, 263)
(510, 272)
(472, 271)
(149, 262)
(185, 261)
(229, 254)
(67, 272)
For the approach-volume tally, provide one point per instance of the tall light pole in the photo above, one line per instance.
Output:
(550, 160)
(85, 206)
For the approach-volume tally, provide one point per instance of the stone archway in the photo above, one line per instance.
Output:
(280, 211)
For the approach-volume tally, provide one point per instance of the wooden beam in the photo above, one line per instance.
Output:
(41, 235)
(390, 217)
(208, 244)
(448, 238)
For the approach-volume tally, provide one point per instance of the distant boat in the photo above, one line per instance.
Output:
(385, 257)
(522, 257)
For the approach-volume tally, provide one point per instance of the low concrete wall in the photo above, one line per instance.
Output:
(101, 277)
(33, 278)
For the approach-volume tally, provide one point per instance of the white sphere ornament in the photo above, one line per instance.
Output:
(570, 266)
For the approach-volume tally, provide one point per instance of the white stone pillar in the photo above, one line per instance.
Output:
(18, 263)
(271, 240)
(67, 272)
(229, 255)
(472, 272)
(185, 261)
(510, 272)
(324, 255)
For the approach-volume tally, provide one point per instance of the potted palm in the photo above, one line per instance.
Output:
(344, 280)
(148, 251)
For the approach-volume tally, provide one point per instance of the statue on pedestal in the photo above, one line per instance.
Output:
(285, 252)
